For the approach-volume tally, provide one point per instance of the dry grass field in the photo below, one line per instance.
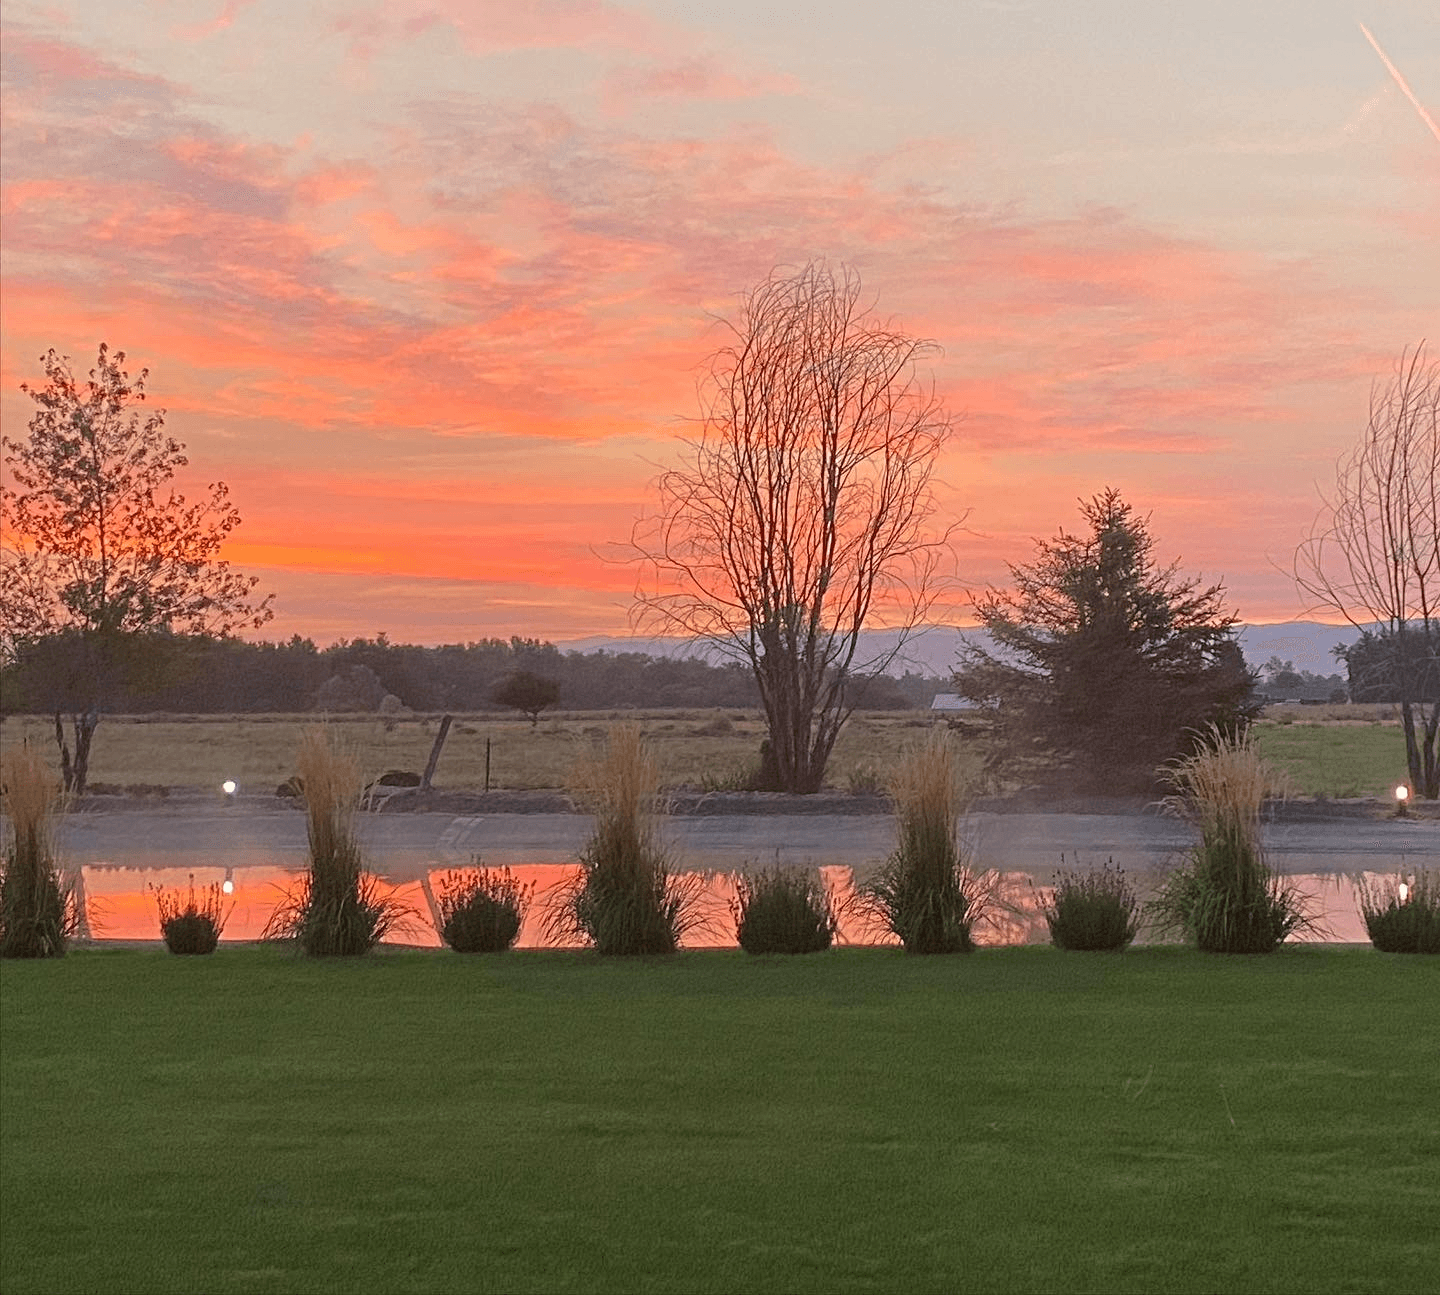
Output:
(695, 747)
(1325, 750)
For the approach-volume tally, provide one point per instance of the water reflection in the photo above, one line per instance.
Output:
(120, 905)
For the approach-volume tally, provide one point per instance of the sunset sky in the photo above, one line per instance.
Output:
(428, 282)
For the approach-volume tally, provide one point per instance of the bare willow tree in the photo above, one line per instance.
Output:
(101, 554)
(802, 507)
(1374, 552)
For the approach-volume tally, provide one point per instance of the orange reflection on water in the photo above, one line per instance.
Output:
(120, 904)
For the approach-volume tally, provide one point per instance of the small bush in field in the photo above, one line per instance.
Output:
(482, 909)
(783, 910)
(1091, 910)
(1403, 916)
(188, 924)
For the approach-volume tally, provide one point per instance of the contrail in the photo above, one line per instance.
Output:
(1401, 82)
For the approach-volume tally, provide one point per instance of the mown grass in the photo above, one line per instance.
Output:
(1022, 1119)
(1335, 760)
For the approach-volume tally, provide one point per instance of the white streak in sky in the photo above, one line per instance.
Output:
(1401, 82)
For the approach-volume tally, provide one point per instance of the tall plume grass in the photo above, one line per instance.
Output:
(37, 912)
(627, 899)
(336, 908)
(1224, 896)
(926, 892)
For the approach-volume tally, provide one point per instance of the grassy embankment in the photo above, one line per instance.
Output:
(1333, 751)
(860, 1120)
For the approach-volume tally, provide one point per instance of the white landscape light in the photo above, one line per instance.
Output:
(229, 786)
(1404, 892)
(228, 885)
(1402, 794)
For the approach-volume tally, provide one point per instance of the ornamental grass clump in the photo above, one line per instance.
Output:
(37, 911)
(1224, 896)
(626, 898)
(190, 924)
(926, 892)
(1402, 914)
(783, 910)
(482, 909)
(1091, 910)
(335, 908)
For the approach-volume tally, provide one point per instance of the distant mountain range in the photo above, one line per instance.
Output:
(933, 649)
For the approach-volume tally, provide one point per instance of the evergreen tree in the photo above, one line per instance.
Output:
(1105, 665)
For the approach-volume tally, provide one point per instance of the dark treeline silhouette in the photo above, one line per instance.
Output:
(199, 675)
(1379, 662)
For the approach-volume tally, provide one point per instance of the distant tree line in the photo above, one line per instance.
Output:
(183, 674)
(1281, 681)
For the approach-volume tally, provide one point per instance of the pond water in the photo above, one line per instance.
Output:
(120, 903)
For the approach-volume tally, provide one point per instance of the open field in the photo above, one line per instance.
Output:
(1332, 751)
(258, 751)
(1013, 1120)
(1335, 757)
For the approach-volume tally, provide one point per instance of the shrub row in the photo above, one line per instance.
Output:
(628, 897)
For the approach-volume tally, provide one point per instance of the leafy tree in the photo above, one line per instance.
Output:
(802, 506)
(1106, 666)
(101, 550)
(1281, 675)
(1280, 679)
(527, 692)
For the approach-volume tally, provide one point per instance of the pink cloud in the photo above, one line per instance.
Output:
(521, 274)
(485, 26)
(695, 77)
(222, 21)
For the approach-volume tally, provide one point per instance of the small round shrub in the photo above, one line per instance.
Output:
(191, 925)
(1091, 910)
(482, 909)
(1401, 916)
(783, 910)
(191, 933)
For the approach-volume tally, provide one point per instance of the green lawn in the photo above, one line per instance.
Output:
(1019, 1119)
(1336, 760)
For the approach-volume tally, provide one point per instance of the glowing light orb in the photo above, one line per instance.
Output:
(1404, 892)
(228, 886)
(229, 786)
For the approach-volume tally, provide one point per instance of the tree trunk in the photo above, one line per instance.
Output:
(1430, 752)
(85, 725)
(67, 771)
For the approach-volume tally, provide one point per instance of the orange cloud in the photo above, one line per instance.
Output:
(330, 330)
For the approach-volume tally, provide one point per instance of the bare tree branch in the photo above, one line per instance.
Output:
(802, 506)
(1373, 554)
